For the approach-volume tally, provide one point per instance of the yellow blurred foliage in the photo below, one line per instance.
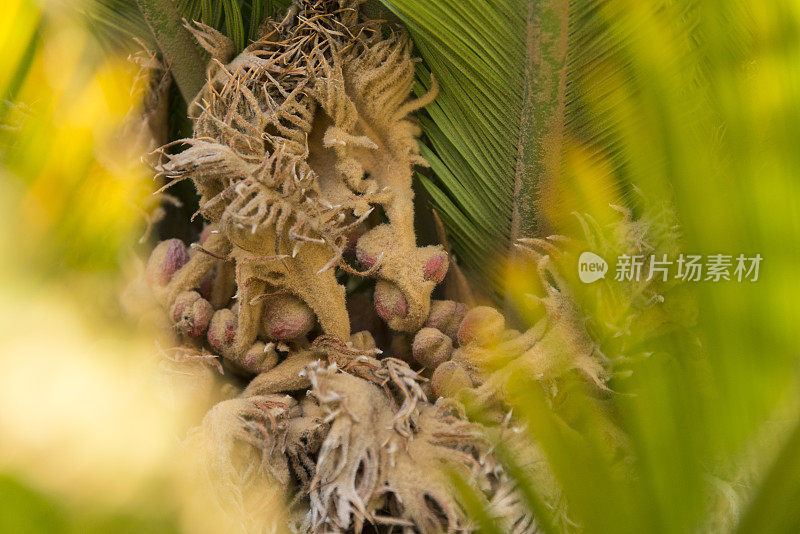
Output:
(88, 417)
(81, 416)
(81, 181)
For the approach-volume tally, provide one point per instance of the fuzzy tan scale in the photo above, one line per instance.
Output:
(233, 453)
(372, 470)
(294, 140)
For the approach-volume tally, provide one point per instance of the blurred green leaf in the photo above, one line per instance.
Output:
(694, 105)
(776, 505)
(475, 504)
(26, 511)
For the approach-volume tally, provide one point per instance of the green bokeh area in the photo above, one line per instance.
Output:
(24, 510)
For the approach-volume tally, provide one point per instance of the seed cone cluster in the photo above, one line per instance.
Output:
(296, 141)
(345, 406)
(302, 154)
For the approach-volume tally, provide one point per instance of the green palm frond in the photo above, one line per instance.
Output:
(495, 135)
(11, 87)
(115, 22)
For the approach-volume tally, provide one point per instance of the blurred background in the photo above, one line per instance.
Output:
(85, 446)
(86, 443)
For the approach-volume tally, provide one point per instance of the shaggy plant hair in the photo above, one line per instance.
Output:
(302, 155)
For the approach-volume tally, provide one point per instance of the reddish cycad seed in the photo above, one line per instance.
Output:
(350, 250)
(389, 300)
(431, 348)
(182, 303)
(287, 317)
(198, 318)
(165, 260)
(446, 315)
(389, 251)
(191, 314)
(481, 325)
(435, 268)
(260, 358)
(449, 378)
(366, 259)
(222, 329)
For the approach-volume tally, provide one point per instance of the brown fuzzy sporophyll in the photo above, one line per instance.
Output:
(296, 142)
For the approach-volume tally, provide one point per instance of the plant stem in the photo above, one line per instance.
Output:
(181, 53)
(542, 123)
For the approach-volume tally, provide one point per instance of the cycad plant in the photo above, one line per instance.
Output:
(380, 302)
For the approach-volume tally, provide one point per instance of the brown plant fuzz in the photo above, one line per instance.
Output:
(294, 141)
(297, 140)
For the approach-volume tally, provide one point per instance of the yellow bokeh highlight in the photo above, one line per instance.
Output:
(84, 185)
